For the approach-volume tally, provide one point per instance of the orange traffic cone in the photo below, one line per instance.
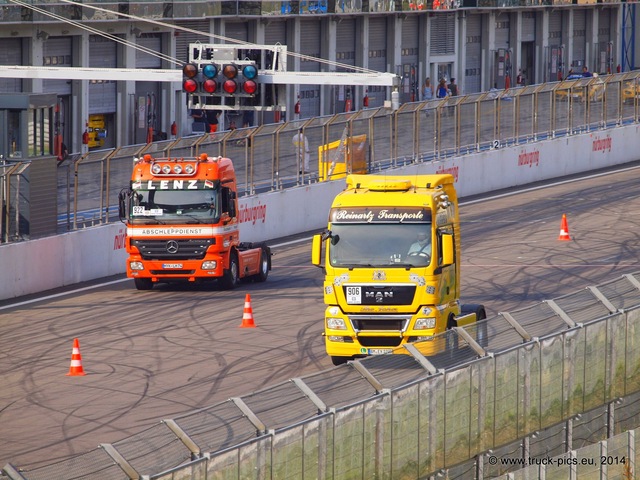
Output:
(247, 316)
(76, 360)
(564, 229)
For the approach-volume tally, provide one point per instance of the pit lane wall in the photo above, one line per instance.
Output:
(39, 265)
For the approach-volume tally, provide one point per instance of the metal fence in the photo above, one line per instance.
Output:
(555, 376)
(11, 199)
(612, 458)
(266, 159)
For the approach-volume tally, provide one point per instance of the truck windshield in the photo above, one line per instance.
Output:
(175, 206)
(380, 244)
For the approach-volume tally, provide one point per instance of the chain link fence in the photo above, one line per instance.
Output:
(266, 159)
(559, 375)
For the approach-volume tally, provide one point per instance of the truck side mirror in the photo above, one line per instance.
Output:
(316, 250)
(447, 249)
(122, 209)
(232, 203)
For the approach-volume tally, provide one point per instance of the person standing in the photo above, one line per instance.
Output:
(301, 147)
(427, 89)
(586, 72)
(442, 91)
(212, 120)
(453, 88)
(197, 115)
(199, 121)
(520, 79)
(247, 118)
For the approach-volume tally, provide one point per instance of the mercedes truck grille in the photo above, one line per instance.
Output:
(178, 249)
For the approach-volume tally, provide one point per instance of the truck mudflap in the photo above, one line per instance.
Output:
(465, 319)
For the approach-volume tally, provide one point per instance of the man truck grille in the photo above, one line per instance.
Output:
(379, 323)
(178, 249)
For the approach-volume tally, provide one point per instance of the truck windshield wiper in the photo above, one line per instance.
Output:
(351, 266)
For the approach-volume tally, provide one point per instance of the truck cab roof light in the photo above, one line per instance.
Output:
(388, 186)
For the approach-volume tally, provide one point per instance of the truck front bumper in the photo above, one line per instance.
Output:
(362, 335)
(191, 270)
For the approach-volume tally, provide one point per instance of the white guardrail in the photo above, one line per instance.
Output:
(38, 265)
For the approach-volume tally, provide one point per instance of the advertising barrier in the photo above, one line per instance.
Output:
(95, 252)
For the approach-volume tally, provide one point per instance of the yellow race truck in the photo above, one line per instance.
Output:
(392, 265)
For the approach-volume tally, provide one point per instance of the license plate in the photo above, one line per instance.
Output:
(379, 351)
(171, 265)
(354, 295)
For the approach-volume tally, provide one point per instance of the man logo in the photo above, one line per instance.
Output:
(172, 246)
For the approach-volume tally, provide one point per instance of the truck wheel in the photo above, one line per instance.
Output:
(452, 337)
(231, 277)
(482, 331)
(264, 266)
(143, 283)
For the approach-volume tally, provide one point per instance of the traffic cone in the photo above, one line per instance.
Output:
(564, 229)
(247, 316)
(75, 369)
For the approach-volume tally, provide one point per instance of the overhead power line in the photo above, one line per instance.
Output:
(170, 26)
(87, 28)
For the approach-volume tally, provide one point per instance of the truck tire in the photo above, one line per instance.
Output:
(451, 343)
(231, 277)
(262, 275)
(143, 283)
(482, 332)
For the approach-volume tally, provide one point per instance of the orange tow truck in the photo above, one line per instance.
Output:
(182, 224)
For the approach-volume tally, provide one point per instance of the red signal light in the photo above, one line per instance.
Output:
(250, 87)
(230, 86)
(209, 85)
(190, 85)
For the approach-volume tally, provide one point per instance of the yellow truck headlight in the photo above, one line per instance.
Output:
(336, 338)
(336, 323)
(425, 324)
